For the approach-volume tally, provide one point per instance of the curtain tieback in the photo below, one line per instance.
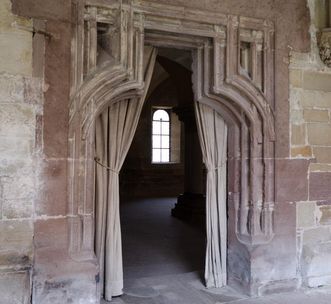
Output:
(97, 160)
(217, 168)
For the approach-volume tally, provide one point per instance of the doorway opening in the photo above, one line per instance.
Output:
(163, 174)
(233, 77)
(155, 178)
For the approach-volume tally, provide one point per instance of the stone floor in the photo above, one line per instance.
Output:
(155, 243)
(187, 289)
(162, 257)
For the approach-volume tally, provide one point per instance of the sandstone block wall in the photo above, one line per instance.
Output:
(310, 129)
(21, 106)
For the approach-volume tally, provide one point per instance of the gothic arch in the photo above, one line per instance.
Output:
(242, 92)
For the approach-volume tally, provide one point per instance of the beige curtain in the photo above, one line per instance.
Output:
(115, 129)
(212, 131)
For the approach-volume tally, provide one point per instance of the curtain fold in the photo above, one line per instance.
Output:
(115, 129)
(212, 131)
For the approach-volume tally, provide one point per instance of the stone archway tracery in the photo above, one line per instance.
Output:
(233, 73)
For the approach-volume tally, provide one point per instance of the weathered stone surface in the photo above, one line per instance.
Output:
(320, 168)
(303, 151)
(320, 186)
(291, 180)
(17, 120)
(77, 288)
(285, 213)
(41, 9)
(306, 214)
(57, 76)
(51, 233)
(15, 287)
(288, 16)
(319, 134)
(20, 89)
(16, 53)
(325, 217)
(296, 78)
(18, 187)
(296, 117)
(58, 277)
(17, 208)
(316, 115)
(316, 250)
(322, 154)
(53, 197)
(268, 261)
(323, 203)
(311, 99)
(18, 147)
(298, 134)
(12, 88)
(316, 235)
(282, 108)
(15, 44)
(12, 166)
(280, 262)
(316, 81)
(17, 236)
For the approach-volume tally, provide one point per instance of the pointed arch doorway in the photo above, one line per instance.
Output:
(232, 83)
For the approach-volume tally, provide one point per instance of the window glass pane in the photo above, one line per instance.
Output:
(161, 115)
(161, 136)
(165, 142)
(156, 127)
(156, 143)
(165, 128)
(156, 155)
(165, 155)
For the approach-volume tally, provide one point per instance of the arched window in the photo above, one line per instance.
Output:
(161, 136)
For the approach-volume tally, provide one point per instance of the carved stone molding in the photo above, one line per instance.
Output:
(233, 72)
(324, 45)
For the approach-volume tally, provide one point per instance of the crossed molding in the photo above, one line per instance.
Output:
(233, 72)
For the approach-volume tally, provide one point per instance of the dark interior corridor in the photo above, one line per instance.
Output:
(155, 243)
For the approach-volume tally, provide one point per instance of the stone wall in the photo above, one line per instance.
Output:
(310, 119)
(21, 109)
(34, 84)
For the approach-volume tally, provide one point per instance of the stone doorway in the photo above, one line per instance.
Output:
(232, 73)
